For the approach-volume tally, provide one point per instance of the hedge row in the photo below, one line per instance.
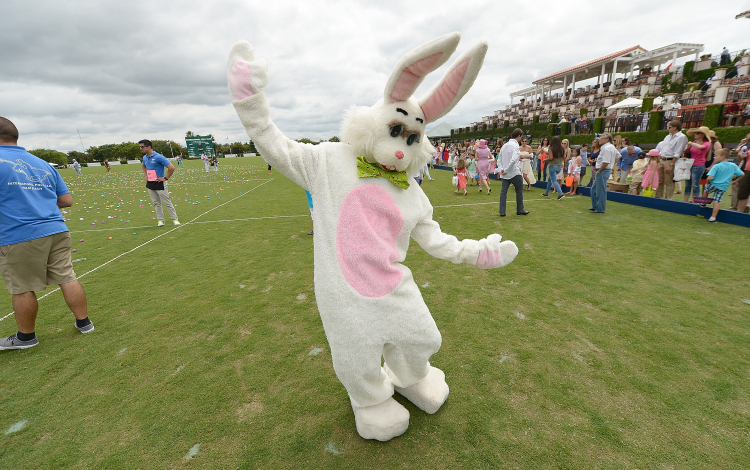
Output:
(726, 135)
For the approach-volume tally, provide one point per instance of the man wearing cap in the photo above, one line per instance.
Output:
(34, 241)
(510, 173)
(672, 148)
(604, 163)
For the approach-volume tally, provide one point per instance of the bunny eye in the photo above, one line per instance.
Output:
(397, 130)
(412, 138)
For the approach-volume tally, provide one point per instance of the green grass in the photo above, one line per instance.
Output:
(614, 341)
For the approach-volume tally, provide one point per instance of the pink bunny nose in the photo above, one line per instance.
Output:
(399, 154)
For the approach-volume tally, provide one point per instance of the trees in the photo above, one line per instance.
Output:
(50, 156)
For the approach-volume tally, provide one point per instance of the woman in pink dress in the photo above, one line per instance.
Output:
(483, 164)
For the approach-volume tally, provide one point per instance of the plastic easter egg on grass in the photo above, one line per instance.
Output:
(110, 238)
(81, 241)
(74, 250)
(133, 233)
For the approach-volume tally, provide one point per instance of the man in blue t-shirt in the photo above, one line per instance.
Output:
(153, 166)
(34, 240)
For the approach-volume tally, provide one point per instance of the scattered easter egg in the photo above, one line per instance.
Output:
(110, 238)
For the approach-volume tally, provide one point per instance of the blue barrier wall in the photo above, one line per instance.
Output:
(677, 207)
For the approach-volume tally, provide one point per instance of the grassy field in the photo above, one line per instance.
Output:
(612, 341)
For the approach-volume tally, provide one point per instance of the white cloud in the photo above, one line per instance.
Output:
(138, 69)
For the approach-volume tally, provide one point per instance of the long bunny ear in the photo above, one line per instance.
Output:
(454, 84)
(414, 66)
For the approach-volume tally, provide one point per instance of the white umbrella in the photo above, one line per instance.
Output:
(626, 103)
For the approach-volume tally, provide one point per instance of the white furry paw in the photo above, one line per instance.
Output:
(246, 76)
(428, 394)
(383, 421)
(497, 254)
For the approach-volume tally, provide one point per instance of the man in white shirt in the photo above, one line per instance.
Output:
(671, 149)
(604, 164)
(508, 168)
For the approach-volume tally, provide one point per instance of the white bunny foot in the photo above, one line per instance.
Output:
(428, 394)
(383, 421)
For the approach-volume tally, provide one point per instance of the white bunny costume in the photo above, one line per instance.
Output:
(370, 306)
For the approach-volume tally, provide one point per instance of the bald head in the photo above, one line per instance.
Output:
(8, 132)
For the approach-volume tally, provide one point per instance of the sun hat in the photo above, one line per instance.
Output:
(703, 129)
(482, 144)
(653, 153)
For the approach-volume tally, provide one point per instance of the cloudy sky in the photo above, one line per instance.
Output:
(123, 71)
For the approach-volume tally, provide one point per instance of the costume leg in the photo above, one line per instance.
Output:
(408, 367)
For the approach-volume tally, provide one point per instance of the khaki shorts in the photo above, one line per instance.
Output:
(35, 264)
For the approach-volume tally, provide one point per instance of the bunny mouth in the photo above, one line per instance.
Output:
(389, 167)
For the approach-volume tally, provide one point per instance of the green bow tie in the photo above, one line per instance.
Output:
(366, 169)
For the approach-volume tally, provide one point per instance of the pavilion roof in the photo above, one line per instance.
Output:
(589, 64)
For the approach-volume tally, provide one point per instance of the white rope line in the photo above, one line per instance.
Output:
(176, 183)
(497, 202)
(146, 243)
(199, 222)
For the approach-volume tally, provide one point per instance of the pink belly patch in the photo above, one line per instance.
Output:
(368, 226)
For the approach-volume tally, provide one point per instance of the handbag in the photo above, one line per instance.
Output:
(455, 180)
(682, 169)
(648, 192)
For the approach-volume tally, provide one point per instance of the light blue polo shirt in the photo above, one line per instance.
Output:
(29, 188)
(156, 162)
(722, 174)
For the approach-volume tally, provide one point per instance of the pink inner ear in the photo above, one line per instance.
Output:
(443, 97)
(405, 85)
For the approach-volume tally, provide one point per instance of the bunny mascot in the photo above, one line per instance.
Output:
(367, 206)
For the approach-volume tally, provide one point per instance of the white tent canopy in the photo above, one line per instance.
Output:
(632, 103)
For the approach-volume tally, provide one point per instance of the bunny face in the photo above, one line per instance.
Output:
(399, 141)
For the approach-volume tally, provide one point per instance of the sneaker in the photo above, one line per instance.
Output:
(160, 224)
(560, 196)
(11, 342)
(85, 328)
(712, 220)
(176, 222)
(545, 194)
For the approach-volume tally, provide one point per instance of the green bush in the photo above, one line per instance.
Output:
(602, 111)
(519, 122)
(598, 125)
(731, 135)
(564, 128)
(647, 104)
(535, 120)
(506, 124)
(51, 156)
(584, 111)
(555, 117)
(551, 129)
(712, 118)
(123, 162)
(654, 120)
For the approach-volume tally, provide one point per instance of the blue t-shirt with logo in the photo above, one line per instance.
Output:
(29, 188)
(156, 162)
